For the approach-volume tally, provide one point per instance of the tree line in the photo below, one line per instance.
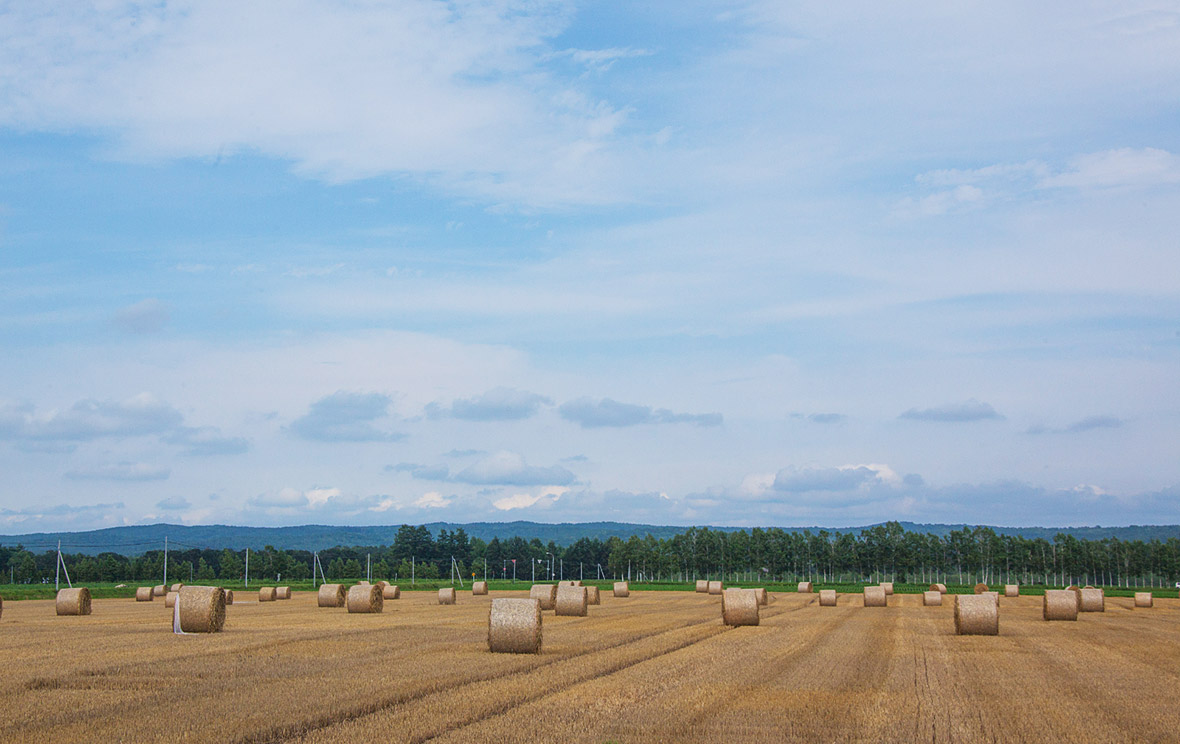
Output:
(881, 553)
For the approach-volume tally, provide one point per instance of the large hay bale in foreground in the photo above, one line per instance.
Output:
(546, 594)
(980, 588)
(940, 588)
(827, 597)
(176, 587)
(1144, 599)
(331, 595)
(144, 594)
(715, 587)
(1091, 600)
(592, 596)
(446, 595)
(875, 596)
(391, 591)
(479, 588)
(622, 589)
(365, 598)
(229, 596)
(73, 601)
(282, 592)
(932, 599)
(1060, 604)
(202, 609)
(702, 586)
(514, 626)
(571, 601)
(159, 590)
(170, 599)
(267, 594)
(763, 597)
(977, 614)
(804, 587)
(1011, 590)
(739, 607)
(888, 587)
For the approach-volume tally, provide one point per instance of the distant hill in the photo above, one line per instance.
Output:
(137, 539)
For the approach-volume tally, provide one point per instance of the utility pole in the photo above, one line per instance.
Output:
(485, 568)
(165, 560)
(57, 569)
(411, 570)
(247, 568)
(368, 566)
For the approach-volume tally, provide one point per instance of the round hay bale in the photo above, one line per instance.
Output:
(73, 601)
(976, 614)
(571, 601)
(994, 596)
(363, 583)
(763, 597)
(331, 595)
(170, 599)
(479, 588)
(940, 588)
(514, 626)
(875, 596)
(282, 592)
(546, 594)
(592, 596)
(1060, 604)
(576, 582)
(888, 587)
(622, 589)
(229, 596)
(176, 587)
(827, 597)
(739, 607)
(1011, 590)
(144, 594)
(267, 594)
(931, 599)
(202, 609)
(1091, 600)
(159, 590)
(365, 598)
(381, 584)
(980, 588)
(446, 595)
(1072, 588)
(1144, 599)
(391, 591)
(715, 587)
(804, 587)
(702, 586)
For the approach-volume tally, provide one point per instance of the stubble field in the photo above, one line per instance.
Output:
(657, 666)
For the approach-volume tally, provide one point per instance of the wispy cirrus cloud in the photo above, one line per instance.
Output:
(972, 410)
(606, 412)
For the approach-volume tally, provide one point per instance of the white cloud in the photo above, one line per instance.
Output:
(542, 498)
(1124, 167)
(457, 93)
(432, 500)
(510, 469)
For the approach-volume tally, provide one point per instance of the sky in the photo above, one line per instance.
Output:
(750, 263)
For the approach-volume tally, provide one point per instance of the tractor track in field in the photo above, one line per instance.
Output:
(698, 631)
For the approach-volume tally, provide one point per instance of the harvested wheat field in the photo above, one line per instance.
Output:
(656, 666)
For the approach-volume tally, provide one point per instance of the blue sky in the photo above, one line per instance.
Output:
(757, 263)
